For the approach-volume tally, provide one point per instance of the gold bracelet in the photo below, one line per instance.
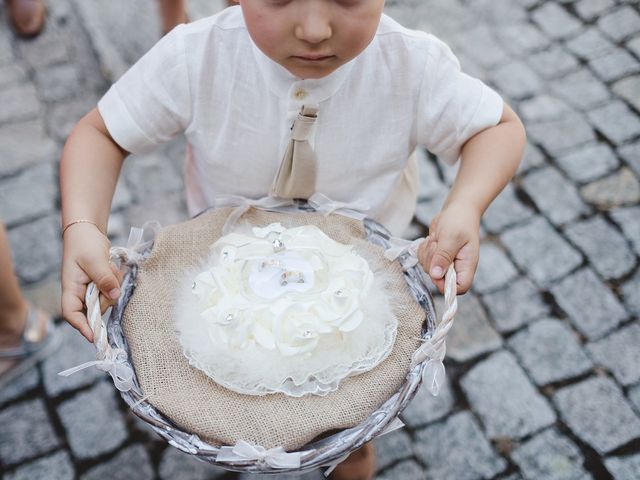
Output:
(82, 220)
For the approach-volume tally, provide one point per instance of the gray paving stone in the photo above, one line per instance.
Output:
(392, 447)
(480, 44)
(429, 182)
(30, 416)
(515, 79)
(630, 294)
(408, 470)
(48, 48)
(494, 271)
(590, 305)
(539, 250)
(590, 9)
(588, 162)
(550, 352)
(618, 189)
(19, 102)
(614, 65)
(619, 353)
(629, 89)
(6, 51)
(630, 153)
(132, 462)
(20, 385)
(634, 396)
(75, 349)
(456, 448)
(606, 249)
(122, 197)
(620, 23)
(634, 45)
(555, 196)
(553, 62)
(11, 74)
(591, 43)
(426, 210)
(505, 210)
(54, 467)
(596, 412)
(471, 334)
(58, 82)
(175, 464)
(543, 107)
(150, 175)
(551, 456)
(555, 21)
(314, 475)
(558, 136)
(93, 424)
(23, 145)
(623, 468)
(62, 116)
(36, 248)
(501, 394)
(616, 121)
(515, 306)
(29, 195)
(582, 90)
(531, 158)
(520, 38)
(425, 408)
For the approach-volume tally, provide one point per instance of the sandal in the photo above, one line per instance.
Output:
(360, 465)
(26, 16)
(31, 349)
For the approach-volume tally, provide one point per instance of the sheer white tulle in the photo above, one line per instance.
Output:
(284, 310)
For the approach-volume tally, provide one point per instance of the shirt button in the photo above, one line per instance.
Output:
(300, 94)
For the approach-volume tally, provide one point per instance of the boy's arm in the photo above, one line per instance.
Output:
(89, 170)
(489, 160)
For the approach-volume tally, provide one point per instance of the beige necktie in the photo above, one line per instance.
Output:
(296, 177)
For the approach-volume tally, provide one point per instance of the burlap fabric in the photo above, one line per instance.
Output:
(219, 416)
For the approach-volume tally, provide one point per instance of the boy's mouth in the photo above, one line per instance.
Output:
(313, 58)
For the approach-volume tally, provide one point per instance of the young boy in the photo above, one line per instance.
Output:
(235, 82)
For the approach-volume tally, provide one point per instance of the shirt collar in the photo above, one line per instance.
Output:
(285, 85)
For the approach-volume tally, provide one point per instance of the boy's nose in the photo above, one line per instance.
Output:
(314, 26)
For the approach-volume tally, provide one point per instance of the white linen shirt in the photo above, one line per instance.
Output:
(236, 107)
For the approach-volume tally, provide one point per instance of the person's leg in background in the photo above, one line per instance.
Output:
(26, 334)
(27, 17)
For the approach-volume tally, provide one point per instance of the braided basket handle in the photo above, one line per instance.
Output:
(434, 349)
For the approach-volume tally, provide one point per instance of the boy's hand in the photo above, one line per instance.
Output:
(85, 260)
(454, 236)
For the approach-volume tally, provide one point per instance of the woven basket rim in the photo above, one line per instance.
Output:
(317, 453)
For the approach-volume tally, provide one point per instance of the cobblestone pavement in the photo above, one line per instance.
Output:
(543, 362)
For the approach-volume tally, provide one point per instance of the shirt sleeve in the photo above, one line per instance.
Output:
(150, 103)
(453, 106)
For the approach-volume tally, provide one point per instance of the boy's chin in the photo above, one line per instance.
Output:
(312, 72)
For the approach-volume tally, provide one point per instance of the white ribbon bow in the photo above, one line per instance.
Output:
(274, 457)
(327, 206)
(115, 364)
(399, 247)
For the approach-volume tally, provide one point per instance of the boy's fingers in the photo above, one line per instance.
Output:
(104, 278)
(72, 310)
(465, 264)
(443, 254)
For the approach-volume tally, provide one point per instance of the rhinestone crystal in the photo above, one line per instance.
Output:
(278, 246)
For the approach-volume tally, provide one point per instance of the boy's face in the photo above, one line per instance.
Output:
(312, 38)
